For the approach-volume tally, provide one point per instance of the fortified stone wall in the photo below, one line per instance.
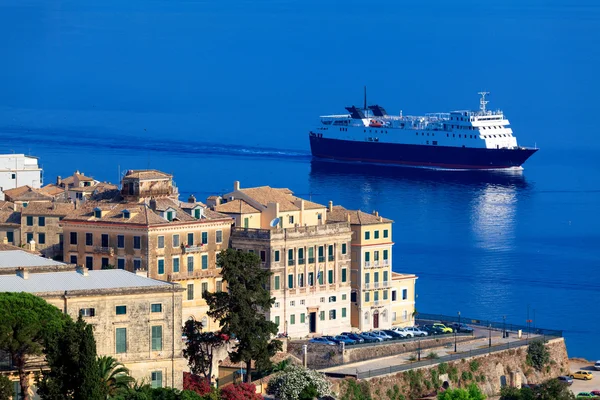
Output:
(490, 372)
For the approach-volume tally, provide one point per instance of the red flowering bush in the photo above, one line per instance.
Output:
(240, 391)
(196, 383)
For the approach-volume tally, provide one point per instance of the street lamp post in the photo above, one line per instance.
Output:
(419, 349)
(455, 330)
(490, 338)
(504, 326)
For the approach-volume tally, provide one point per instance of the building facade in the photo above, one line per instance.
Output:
(19, 170)
(309, 256)
(41, 223)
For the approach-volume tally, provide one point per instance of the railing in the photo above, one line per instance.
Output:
(367, 285)
(290, 262)
(301, 261)
(376, 285)
(311, 260)
(192, 249)
(106, 250)
(323, 229)
(331, 258)
(385, 284)
(321, 258)
(386, 263)
(376, 263)
(368, 264)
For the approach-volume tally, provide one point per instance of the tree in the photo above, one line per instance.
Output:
(471, 393)
(298, 383)
(553, 390)
(241, 310)
(26, 321)
(6, 388)
(537, 354)
(196, 384)
(200, 348)
(113, 375)
(73, 371)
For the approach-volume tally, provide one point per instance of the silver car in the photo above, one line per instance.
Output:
(597, 365)
(413, 330)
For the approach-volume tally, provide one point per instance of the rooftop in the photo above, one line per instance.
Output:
(12, 257)
(26, 193)
(357, 217)
(76, 281)
(264, 195)
(48, 208)
(147, 174)
(236, 207)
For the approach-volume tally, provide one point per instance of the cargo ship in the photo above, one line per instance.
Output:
(481, 139)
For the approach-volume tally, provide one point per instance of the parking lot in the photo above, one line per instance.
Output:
(581, 385)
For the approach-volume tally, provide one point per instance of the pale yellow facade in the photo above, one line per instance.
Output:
(403, 299)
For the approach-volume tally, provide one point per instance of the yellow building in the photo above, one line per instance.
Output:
(136, 320)
(308, 255)
(374, 299)
(403, 299)
(149, 229)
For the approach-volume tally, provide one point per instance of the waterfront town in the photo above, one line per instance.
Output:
(139, 264)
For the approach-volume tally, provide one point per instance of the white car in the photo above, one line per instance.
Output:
(415, 331)
(382, 335)
(402, 332)
(597, 365)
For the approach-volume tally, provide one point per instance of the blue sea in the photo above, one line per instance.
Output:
(218, 91)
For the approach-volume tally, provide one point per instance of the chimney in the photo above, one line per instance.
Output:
(22, 273)
(330, 205)
(5, 240)
(82, 270)
(376, 213)
(380, 219)
(58, 180)
(153, 204)
(31, 246)
(236, 185)
(191, 199)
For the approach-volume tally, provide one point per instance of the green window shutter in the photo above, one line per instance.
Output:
(277, 282)
(157, 338)
(343, 248)
(321, 277)
(277, 321)
(367, 297)
(290, 281)
(385, 294)
(367, 235)
(322, 316)
(376, 277)
(121, 310)
(161, 267)
(367, 277)
(376, 234)
(367, 256)
(246, 223)
(302, 318)
(344, 272)
(292, 319)
(344, 312)
(204, 261)
(190, 291)
(385, 233)
(176, 265)
(190, 239)
(385, 276)
(156, 379)
(121, 340)
(290, 254)
(276, 255)
(157, 307)
(29, 220)
(330, 276)
(385, 254)
(376, 296)
(204, 237)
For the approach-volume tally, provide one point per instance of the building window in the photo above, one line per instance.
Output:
(404, 294)
(104, 240)
(204, 288)
(190, 263)
(276, 256)
(331, 253)
(263, 256)
(291, 257)
(10, 236)
(291, 219)
(321, 254)
(367, 297)
(385, 294)
(277, 321)
(367, 235)
(29, 220)
(137, 242)
(176, 264)
(302, 315)
(104, 263)
(204, 237)
(290, 281)
(121, 340)
(219, 237)
(367, 277)
(331, 314)
(344, 274)
(246, 222)
(322, 316)
(161, 242)
(311, 279)
(176, 240)
(376, 277)
(190, 291)
(29, 237)
(367, 256)
(87, 312)
(42, 221)
(376, 234)
(156, 379)
(311, 255)
(330, 276)
(204, 261)
(120, 241)
(293, 319)
(161, 266)
(121, 310)
(89, 239)
(394, 295)
(344, 312)
(343, 248)
(73, 238)
(300, 280)
(332, 299)
(41, 238)
(157, 338)
(137, 264)
(344, 297)
(394, 316)
(121, 263)
(73, 259)
(385, 276)
(89, 262)
(190, 239)
(276, 305)
(302, 302)
(156, 307)
(169, 216)
(276, 282)
(385, 255)
(376, 296)
(219, 286)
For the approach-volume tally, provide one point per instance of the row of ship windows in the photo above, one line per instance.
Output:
(472, 128)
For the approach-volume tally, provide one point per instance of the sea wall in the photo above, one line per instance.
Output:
(490, 372)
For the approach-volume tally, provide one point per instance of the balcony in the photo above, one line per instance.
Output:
(376, 263)
(301, 261)
(311, 260)
(385, 284)
(386, 263)
(331, 258)
(377, 285)
(297, 232)
(192, 249)
(290, 263)
(375, 303)
(321, 258)
(104, 250)
(368, 285)
(368, 264)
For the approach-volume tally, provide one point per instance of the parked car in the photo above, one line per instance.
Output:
(597, 366)
(321, 340)
(444, 328)
(415, 331)
(344, 339)
(331, 339)
(566, 380)
(371, 336)
(462, 328)
(595, 392)
(393, 334)
(354, 336)
(433, 330)
(382, 335)
(401, 332)
(585, 395)
(585, 375)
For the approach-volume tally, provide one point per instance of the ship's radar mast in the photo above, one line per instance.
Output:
(483, 101)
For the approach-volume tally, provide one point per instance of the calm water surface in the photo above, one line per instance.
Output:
(220, 91)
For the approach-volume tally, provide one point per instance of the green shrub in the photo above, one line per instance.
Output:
(433, 355)
(474, 365)
(453, 374)
(443, 368)
(537, 354)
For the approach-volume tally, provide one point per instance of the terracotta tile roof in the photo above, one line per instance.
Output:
(17, 191)
(147, 174)
(396, 276)
(188, 206)
(52, 190)
(48, 208)
(26, 193)
(210, 214)
(6, 205)
(10, 218)
(82, 177)
(357, 217)
(236, 207)
(266, 194)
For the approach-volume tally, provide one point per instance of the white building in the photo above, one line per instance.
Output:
(19, 170)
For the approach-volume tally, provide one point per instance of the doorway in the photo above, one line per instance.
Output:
(313, 322)
(375, 320)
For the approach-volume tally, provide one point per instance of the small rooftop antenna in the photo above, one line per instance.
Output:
(483, 101)
(365, 107)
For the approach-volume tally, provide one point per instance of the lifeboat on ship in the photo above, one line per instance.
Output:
(375, 124)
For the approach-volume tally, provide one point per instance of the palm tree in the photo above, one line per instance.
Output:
(114, 375)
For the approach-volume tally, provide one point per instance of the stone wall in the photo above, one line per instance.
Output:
(323, 356)
(490, 372)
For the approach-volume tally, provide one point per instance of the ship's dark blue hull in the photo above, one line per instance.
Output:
(418, 155)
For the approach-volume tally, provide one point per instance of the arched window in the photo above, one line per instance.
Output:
(384, 315)
(367, 316)
(204, 322)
